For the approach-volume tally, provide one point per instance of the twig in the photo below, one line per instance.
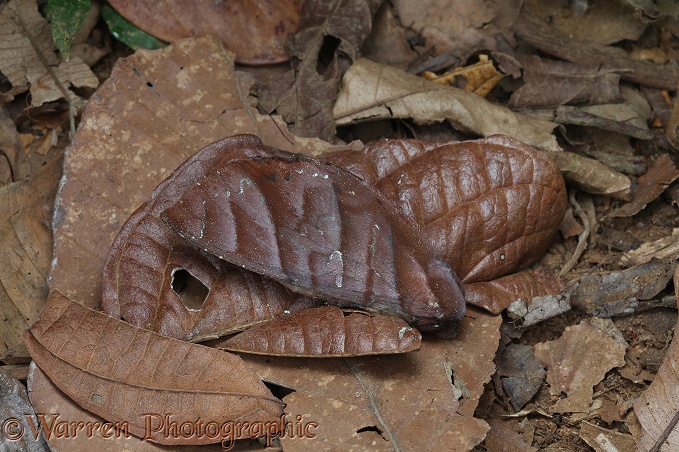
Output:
(663, 436)
(532, 31)
(50, 71)
(590, 211)
(582, 238)
(373, 404)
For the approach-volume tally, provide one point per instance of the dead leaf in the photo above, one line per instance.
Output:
(624, 120)
(550, 83)
(603, 22)
(19, 419)
(11, 152)
(592, 176)
(58, 411)
(103, 363)
(22, 28)
(387, 42)
(329, 40)
(481, 77)
(577, 361)
(465, 26)
(604, 440)
(664, 248)
(615, 151)
(371, 91)
(179, 99)
(25, 253)
(322, 232)
(501, 438)
(657, 407)
(521, 374)
(622, 292)
(326, 332)
(440, 385)
(255, 31)
(533, 31)
(649, 187)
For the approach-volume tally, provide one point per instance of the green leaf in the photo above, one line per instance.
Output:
(128, 33)
(66, 18)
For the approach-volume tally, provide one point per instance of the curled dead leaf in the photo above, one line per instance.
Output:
(371, 91)
(592, 176)
(103, 364)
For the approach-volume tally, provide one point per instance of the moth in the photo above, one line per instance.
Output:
(399, 229)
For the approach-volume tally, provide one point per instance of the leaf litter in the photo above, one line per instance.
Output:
(29, 61)
(641, 359)
(149, 151)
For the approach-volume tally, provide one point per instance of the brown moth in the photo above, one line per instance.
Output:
(145, 257)
(323, 232)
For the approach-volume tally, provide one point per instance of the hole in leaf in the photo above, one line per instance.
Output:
(370, 428)
(326, 54)
(278, 390)
(192, 292)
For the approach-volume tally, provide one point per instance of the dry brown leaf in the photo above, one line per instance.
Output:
(649, 186)
(658, 406)
(536, 32)
(604, 440)
(387, 42)
(405, 402)
(329, 40)
(622, 292)
(58, 411)
(481, 77)
(603, 22)
(502, 438)
(25, 253)
(521, 374)
(577, 361)
(158, 108)
(550, 83)
(19, 419)
(592, 176)
(103, 363)
(322, 232)
(14, 165)
(255, 31)
(22, 65)
(371, 91)
(453, 25)
(326, 332)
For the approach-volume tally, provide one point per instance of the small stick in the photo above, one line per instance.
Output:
(50, 71)
(582, 238)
